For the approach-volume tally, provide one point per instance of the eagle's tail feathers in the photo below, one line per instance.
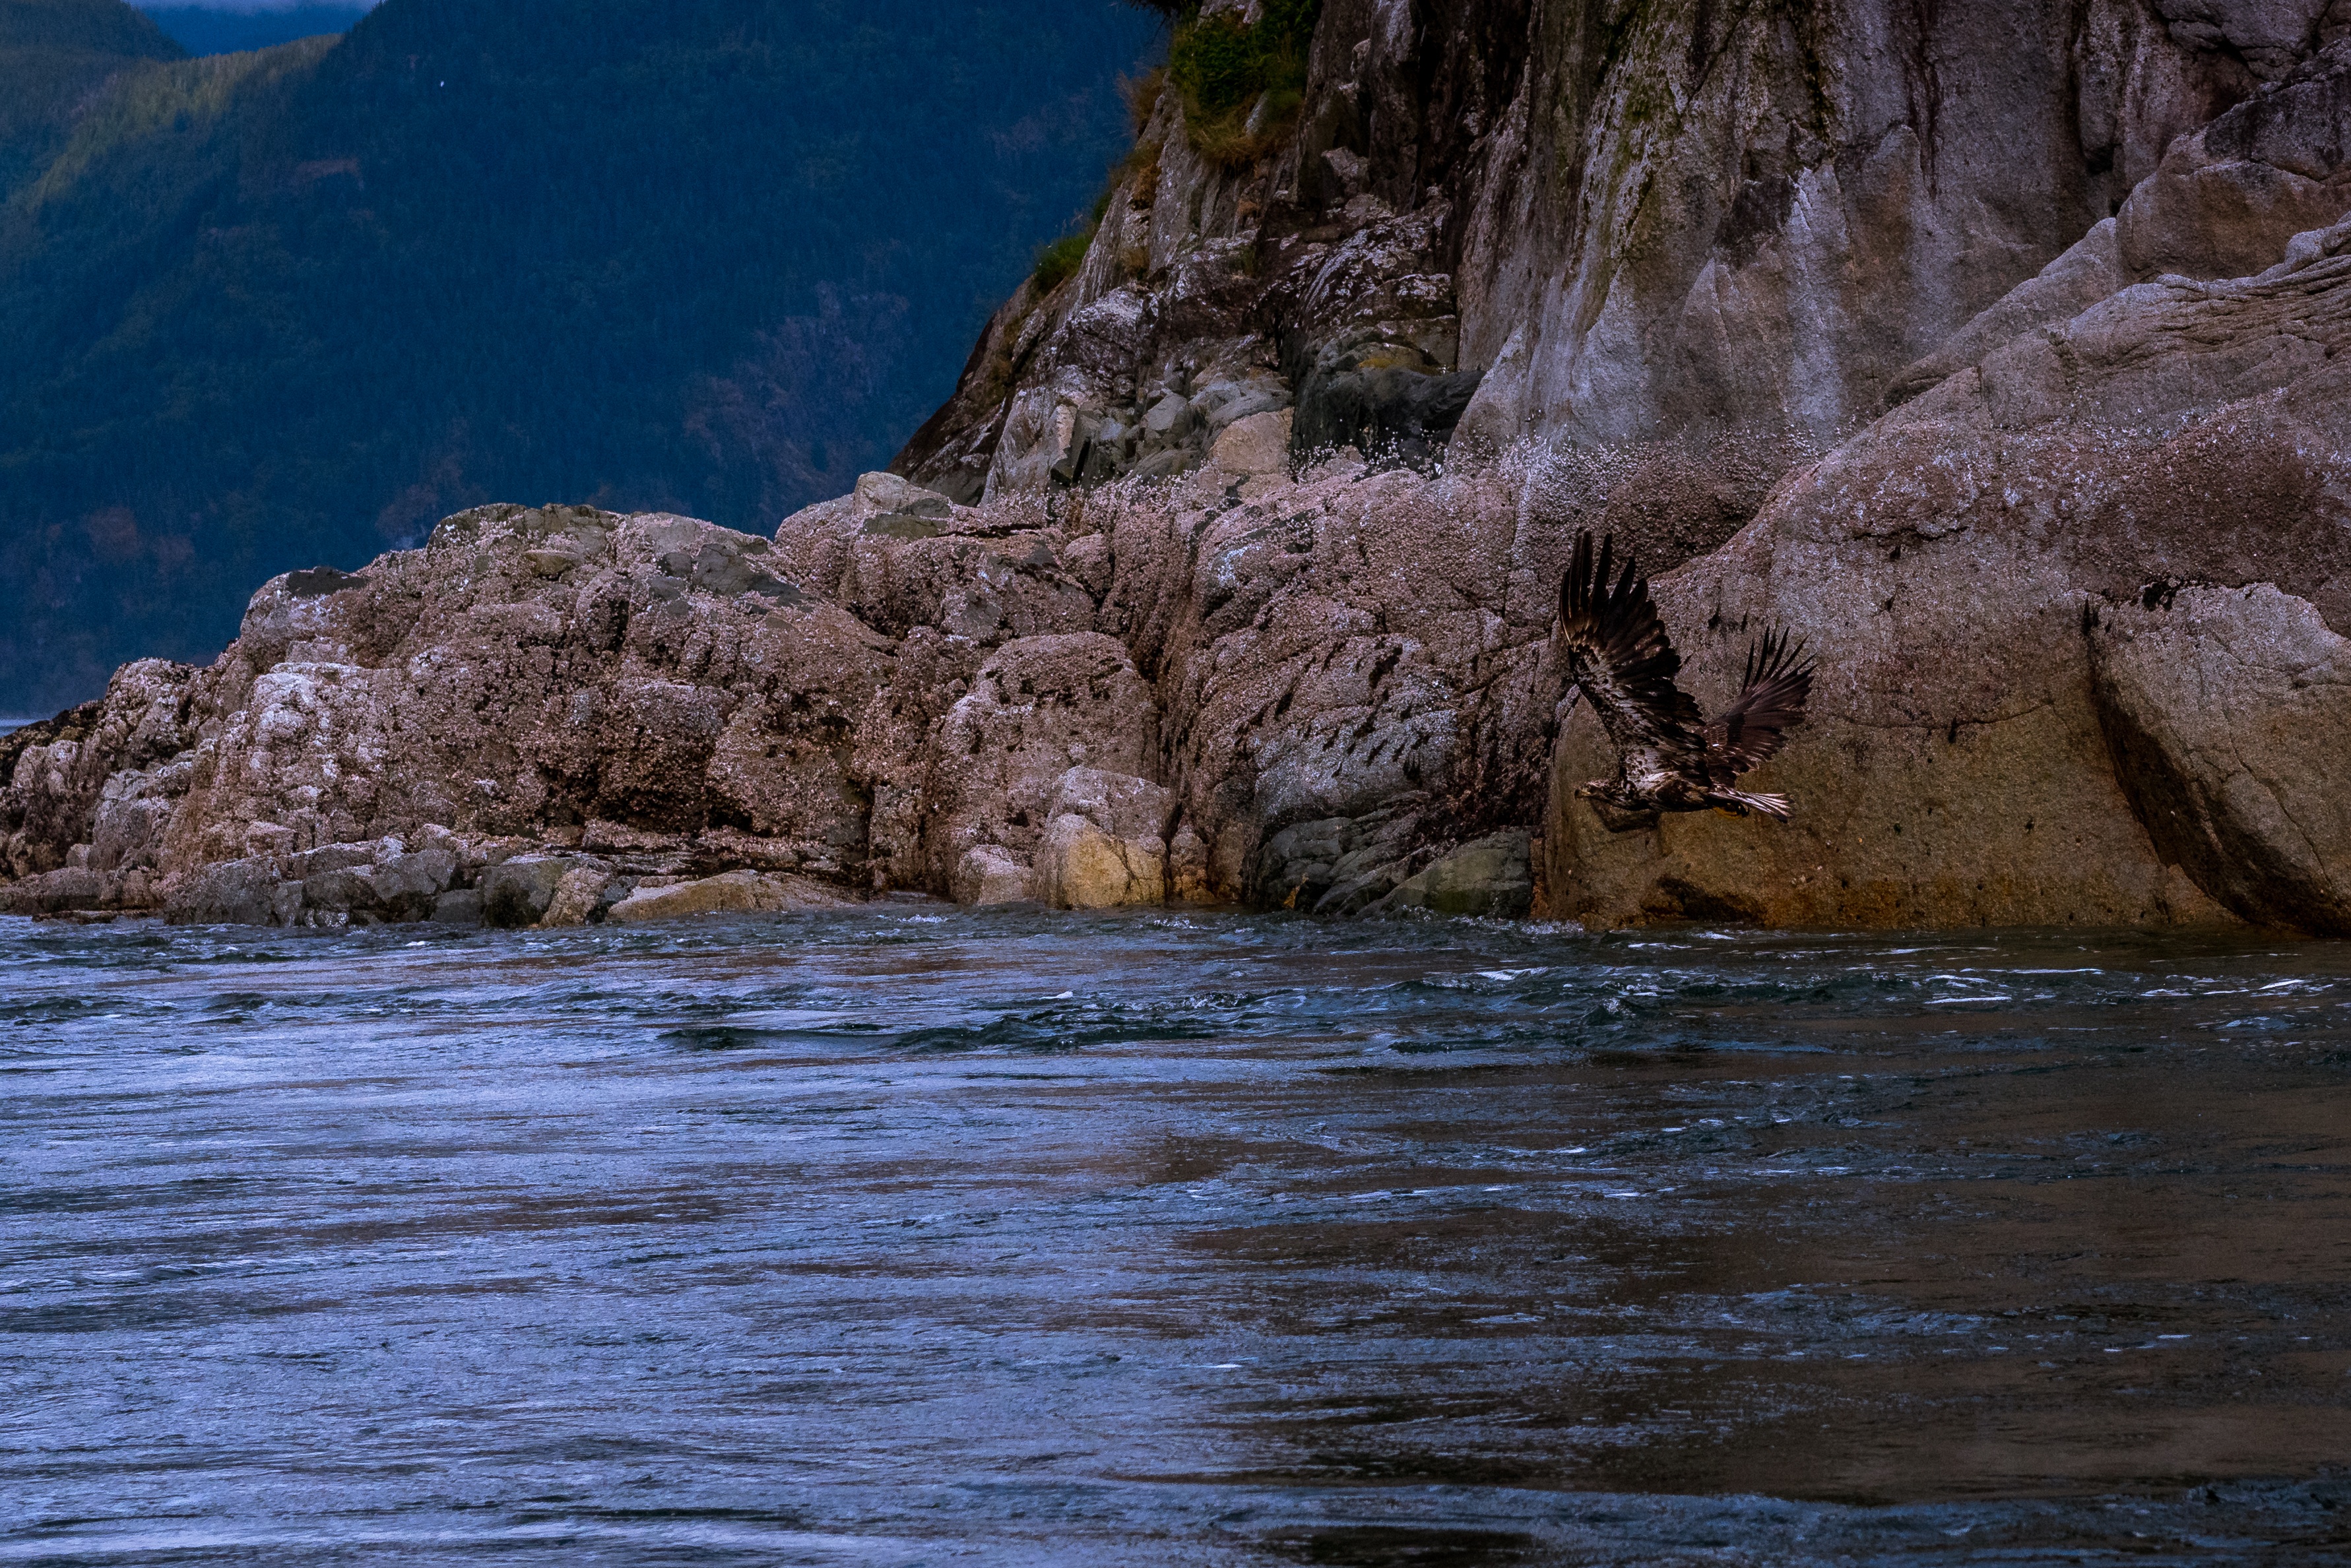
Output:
(1774, 806)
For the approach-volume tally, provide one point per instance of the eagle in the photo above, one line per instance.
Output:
(1668, 757)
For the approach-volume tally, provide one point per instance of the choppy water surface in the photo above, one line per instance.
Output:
(915, 1237)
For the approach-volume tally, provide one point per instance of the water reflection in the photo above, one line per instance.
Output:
(925, 1237)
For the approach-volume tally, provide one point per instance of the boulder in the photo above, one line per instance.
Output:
(462, 907)
(247, 892)
(731, 892)
(68, 889)
(814, 545)
(585, 893)
(393, 885)
(1258, 445)
(990, 874)
(2225, 708)
(1492, 876)
(1080, 866)
(521, 891)
(1187, 870)
(886, 494)
(1105, 841)
(1121, 804)
(376, 883)
(1337, 866)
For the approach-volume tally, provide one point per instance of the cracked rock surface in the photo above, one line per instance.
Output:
(1998, 352)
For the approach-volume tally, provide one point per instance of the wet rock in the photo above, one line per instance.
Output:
(1080, 866)
(584, 893)
(247, 892)
(521, 891)
(990, 874)
(732, 892)
(462, 907)
(1105, 841)
(1299, 865)
(1492, 876)
(391, 886)
(1187, 870)
(66, 890)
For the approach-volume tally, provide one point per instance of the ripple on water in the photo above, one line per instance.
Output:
(920, 1235)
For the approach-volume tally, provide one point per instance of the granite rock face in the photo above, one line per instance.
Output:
(532, 686)
(1996, 351)
(2077, 608)
(1572, 221)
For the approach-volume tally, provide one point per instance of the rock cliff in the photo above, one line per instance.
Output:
(1998, 355)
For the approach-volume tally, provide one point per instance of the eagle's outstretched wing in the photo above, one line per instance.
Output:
(1618, 653)
(1771, 698)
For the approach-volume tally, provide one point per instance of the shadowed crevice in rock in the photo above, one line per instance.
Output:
(321, 580)
(2224, 708)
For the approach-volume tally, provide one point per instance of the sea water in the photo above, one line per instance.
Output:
(916, 1236)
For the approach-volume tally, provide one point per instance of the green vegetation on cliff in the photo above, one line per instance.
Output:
(1242, 84)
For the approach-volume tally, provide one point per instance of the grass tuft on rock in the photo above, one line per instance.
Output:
(1059, 262)
(1242, 85)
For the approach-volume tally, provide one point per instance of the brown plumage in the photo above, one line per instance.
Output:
(1668, 757)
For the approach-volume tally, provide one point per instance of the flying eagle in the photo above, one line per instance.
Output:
(1668, 757)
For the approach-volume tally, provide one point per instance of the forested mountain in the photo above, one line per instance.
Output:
(268, 310)
(54, 54)
(218, 30)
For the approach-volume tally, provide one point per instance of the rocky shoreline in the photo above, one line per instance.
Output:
(1222, 579)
